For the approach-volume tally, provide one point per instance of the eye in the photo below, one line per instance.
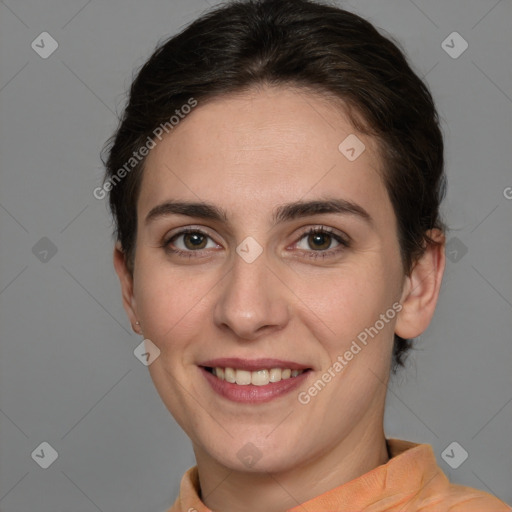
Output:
(188, 241)
(321, 242)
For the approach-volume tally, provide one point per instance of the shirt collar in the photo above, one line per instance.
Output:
(412, 466)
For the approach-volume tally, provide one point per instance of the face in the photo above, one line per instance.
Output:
(261, 246)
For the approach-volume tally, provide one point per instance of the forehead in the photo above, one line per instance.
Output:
(261, 148)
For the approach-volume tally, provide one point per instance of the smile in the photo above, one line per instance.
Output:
(253, 381)
(256, 378)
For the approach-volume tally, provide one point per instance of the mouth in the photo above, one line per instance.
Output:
(260, 377)
(253, 381)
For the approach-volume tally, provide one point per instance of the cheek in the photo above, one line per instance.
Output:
(340, 304)
(170, 301)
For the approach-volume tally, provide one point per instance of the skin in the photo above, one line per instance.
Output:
(247, 154)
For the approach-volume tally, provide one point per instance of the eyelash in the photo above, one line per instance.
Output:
(344, 243)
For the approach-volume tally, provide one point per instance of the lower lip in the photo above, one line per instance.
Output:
(250, 393)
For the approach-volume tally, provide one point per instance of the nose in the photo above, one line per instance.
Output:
(253, 300)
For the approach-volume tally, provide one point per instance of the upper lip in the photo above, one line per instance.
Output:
(252, 364)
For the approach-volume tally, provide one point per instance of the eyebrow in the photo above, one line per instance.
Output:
(301, 209)
(199, 210)
(282, 213)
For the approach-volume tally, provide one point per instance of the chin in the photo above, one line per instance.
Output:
(255, 456)
(263, 463)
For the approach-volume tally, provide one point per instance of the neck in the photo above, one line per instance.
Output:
(225, 490)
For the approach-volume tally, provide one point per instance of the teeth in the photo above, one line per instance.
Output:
(243, 377)
(229, 374)
(260, 378)
(275, 375)
(257, 378)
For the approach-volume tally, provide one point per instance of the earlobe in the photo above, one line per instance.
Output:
(421, 289)
(126, 281)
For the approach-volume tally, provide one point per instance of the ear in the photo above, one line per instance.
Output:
(421, 289)
(126, 280)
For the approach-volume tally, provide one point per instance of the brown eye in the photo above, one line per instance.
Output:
(189, 241)
(195, 240)
(319, 241)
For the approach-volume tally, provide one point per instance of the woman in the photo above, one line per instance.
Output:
(275, 183)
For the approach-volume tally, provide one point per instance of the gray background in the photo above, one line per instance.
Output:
(68, 375)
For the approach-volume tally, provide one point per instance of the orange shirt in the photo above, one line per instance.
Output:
(411, 481)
